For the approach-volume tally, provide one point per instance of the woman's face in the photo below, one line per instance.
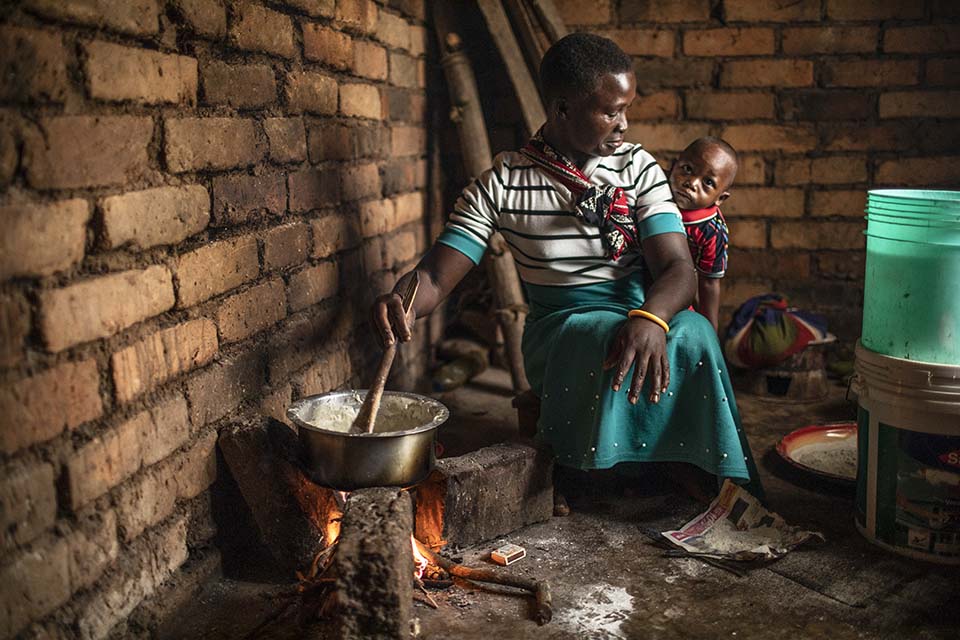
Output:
(593, 124)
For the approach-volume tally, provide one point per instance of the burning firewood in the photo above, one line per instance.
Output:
(539, 589)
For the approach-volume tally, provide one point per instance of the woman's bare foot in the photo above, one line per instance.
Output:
(560, 507)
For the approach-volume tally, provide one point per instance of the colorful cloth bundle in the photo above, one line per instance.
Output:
(765, 331)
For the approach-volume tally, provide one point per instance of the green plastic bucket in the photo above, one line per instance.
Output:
(911, 300)
(908, 453)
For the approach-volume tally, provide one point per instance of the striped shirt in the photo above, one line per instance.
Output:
(535, 214)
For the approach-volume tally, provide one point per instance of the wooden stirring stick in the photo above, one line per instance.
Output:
(367, 416)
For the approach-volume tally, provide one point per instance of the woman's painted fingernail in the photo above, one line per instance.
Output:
(655, 398)
(616, 387)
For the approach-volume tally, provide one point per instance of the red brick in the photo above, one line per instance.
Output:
(400, 249)
(410, 207)
(36, 582)
(833, 170)
(311, 92)
(822, 235)
(331, 372)
(329, 141)
(873, 9)
(42, 406)
(315, 8)
(940, 38)
(334, 233)
(652, 11)
(370, 60)
(328, 46)
(748, 234)
(42, 239)
(920, 104)
(943, 71)
(215, 268)
(751, 170)
(240, 198)
(871, 73)
(393, 31)
(92, 542)
(400, 175)
(408, 141)
(286, 245)
(152, 559)
(643, 42)
(735, 41)
(117, 454)
(730, 106)
(119, 73)
(838, 203)
(75, 152)
(768, 137)
(162, 356)
(252, 311)
(581, 12)
(303, 337)
(313, 189)
(752, 11)
(943, 171)
(357, 15)
(666, 137)
(288, 142)
(403, 70)
(15, 321)
(204, 17)
(654, 106)
(9, 153)
(197, 467)
(276, 403)
(767, 73)
(217, 390)
(146, 501)
(866, 138)
(103, 306)
(765, 202)
(165, 215)
(130, 16)
(256, 28)
(830, 39)
(418, 40)
(312, 285)
(661, 73)
(819, 105)
(28, 502)
(371, 141)
(33, 67)
(847, 264)
(360, 101)
(361, 181)
(759, 264)
(240, 86)
(377, 217)
(196, 144)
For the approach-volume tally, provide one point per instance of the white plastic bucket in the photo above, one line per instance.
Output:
(908, 450)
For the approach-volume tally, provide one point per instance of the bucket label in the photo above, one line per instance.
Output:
(919, 486)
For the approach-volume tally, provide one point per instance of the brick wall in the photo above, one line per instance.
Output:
(199, 199)
(824, 99)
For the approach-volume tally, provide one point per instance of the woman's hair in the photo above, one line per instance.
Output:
(575, 63)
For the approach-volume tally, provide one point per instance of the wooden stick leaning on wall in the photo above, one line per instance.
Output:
(468, 116)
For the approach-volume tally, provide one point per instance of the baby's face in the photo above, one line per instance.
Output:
(700, 177)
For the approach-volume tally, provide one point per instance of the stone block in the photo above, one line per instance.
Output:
(374, 565)
(485, 494)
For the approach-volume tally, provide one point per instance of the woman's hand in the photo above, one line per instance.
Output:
(642, 342)
(390, 320)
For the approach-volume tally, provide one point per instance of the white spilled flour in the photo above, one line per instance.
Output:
(836, 458)
(397, 413)
(724, 537)
(599, 613)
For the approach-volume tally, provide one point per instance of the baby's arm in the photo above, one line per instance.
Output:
(708, 298)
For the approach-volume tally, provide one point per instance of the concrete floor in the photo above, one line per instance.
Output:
(608, 581)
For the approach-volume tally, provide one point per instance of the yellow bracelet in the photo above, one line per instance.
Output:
(640, 313)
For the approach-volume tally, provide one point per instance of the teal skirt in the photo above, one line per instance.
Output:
(589, 426)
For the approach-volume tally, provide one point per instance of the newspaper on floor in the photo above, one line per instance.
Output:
(737, 527)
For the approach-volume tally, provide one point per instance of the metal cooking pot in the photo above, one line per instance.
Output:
(353, 461)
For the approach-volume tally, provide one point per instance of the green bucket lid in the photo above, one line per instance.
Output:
(911, 212)
(934, 199)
